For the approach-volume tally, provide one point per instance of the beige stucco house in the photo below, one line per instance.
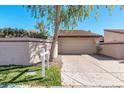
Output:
(77, 42)
(113, 35)
(113, 43)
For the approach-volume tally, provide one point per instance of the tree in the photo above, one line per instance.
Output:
(64, 16)
(14, 32)
(43, 31)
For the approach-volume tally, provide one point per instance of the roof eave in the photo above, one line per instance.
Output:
(80, 36)
(113, 31)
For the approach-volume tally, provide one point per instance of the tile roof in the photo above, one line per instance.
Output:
(77, 33)
(121, 31)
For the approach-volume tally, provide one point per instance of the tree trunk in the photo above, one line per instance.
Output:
(55, 38)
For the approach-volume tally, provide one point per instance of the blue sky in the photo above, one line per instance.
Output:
(18, 17)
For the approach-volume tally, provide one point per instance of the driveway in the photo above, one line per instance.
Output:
(91, 71)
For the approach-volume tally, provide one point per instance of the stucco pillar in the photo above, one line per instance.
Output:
(97, 41)
(56, 50)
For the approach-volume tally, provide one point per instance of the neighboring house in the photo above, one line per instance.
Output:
(77, 42)
(113, 43)
(113, 35)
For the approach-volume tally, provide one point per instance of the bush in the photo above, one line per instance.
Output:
(10, 32)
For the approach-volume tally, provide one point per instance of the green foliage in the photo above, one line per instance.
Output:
(41, 27)
(70, 14)
(122, 7)
(10, 32)
(111, 8)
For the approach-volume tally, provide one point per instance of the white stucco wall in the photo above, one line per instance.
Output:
(113, 37)
(14, 53)
(20, 51)
(113, 50)
(34, 52)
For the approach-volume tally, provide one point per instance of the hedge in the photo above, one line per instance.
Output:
(10, 32)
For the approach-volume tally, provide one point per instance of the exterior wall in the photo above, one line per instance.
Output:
(21, 51)
(34, 51)
(59, 45)
(56, 50)
(77, 45)
(14, 53)
(113, 37)
(113, 50)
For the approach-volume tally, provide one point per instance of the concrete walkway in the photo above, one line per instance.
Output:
(91, 71)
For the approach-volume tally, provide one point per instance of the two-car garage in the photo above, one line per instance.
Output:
(77, 42)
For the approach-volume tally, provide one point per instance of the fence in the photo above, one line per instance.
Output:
(21, 51)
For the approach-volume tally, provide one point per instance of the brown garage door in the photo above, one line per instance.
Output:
(77, 46)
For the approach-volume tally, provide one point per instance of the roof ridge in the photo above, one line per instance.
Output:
(121, 31)
(79, 33)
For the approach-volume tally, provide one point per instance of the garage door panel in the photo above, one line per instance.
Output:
(77, 46)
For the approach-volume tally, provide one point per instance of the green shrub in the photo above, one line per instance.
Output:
(10, 32)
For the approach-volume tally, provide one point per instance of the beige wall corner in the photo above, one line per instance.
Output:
(113, 37)
(113, 50)
(56, 50)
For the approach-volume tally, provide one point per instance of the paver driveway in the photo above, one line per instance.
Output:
(91, 71)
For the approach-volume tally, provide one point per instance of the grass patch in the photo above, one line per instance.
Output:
(13, 74)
